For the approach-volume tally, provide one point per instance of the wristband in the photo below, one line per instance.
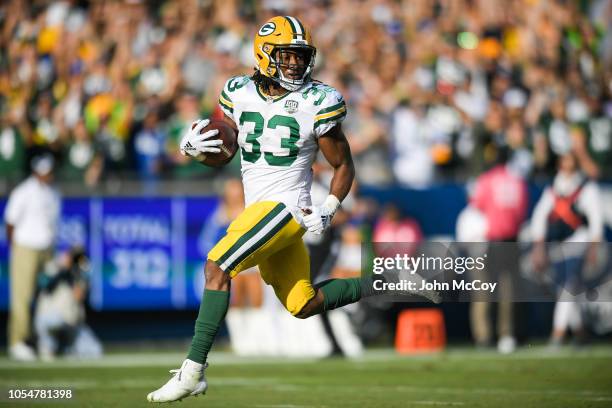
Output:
(331, 203)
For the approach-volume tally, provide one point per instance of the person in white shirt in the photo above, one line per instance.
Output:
(31, 217)
(569, 213)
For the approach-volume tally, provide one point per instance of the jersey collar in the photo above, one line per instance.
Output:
(271, 98)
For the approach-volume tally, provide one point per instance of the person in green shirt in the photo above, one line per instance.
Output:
(12, 151)
(82, 160)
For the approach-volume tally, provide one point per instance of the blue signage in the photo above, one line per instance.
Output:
(145, 253)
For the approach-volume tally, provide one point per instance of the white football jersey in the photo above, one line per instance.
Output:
(278, 137)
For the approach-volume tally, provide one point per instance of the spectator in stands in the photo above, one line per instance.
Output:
(393, 231)
(12, 148)
(598, 139)
(467, 67)
(365, 129)
(32, 216)
(82, 160)
(149, 147)
(413, 164)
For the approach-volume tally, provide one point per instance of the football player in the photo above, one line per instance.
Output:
(283, 118)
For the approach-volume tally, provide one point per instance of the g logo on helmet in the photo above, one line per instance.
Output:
(267, 29)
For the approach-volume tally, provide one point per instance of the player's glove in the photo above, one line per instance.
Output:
(318, 218)
(194, 143)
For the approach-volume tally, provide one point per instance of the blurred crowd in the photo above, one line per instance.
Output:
(434, 88)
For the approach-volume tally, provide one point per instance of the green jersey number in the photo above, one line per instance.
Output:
(258, 120)
(286, 142)
(237, 83)
(319, 92)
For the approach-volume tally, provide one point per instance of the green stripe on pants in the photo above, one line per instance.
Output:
(250, 233)
(261, 242)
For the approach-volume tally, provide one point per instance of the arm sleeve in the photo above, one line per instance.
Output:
(14, 208)
(539, 219)
(332, 111)
(590, 203)
(225, 102)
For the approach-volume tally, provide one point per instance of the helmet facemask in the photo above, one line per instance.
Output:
(293, 64)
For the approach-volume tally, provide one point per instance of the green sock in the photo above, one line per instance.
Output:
(212, 312)
(340, 292)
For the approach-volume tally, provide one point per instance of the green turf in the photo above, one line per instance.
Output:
(460, 378)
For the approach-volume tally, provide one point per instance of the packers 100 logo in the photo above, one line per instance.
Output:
(267, 29)
(291, 106)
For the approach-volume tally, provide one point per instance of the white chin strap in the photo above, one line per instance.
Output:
(292, 84)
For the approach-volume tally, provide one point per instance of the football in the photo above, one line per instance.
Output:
(228, 148)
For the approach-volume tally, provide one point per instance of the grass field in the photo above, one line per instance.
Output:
(458, 378)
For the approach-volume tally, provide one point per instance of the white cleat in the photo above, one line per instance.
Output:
(506, 345)
(21, 352)
(186, 381)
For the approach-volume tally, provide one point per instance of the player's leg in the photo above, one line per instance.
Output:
(288, 271)
(332, 294)
(261, 229)
(189, 379)
(213, 308)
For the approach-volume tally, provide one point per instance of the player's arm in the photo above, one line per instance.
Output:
(13, 212)
(335, 148)
(337, 152)
(9, 233)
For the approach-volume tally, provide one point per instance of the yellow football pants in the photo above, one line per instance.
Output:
(266, 234)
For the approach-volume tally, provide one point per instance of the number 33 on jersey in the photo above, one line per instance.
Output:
(278, 136)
